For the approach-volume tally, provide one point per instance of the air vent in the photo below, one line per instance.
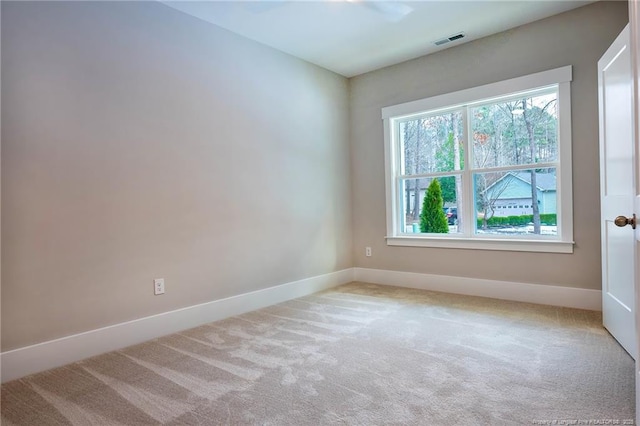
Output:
(449, 39)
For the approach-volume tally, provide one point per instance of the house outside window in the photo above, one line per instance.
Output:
(501, 154)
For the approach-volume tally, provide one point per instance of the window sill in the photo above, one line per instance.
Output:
(543, 246)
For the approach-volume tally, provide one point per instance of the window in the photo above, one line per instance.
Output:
(501, 158)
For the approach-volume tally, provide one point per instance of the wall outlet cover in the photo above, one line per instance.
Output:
(158, 286)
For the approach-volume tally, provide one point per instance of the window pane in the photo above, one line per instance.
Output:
(443, 212)
(431, 144)
(507, 205)
(521, 131)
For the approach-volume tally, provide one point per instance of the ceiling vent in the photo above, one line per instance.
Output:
(449, 39)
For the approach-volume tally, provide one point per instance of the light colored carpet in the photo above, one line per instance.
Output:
(357, 354)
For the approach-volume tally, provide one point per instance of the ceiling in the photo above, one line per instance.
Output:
(352, 37)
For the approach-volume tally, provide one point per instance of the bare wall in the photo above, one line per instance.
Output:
(138, 143)
(577, 38)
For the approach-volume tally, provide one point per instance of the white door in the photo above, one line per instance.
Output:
(634, 18)
(617, 191)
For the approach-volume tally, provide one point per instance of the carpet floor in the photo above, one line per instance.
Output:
(358, 354)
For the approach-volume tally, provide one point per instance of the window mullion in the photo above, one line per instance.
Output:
(468, 210)
(527, 166)
(430, 175)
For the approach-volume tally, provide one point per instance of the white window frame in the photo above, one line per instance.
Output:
(560, 243)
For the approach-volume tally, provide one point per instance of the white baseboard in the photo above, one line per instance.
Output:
(43, 356)
(521, 292)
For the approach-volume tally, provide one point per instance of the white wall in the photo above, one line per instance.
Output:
(139, 142)
(577, 38)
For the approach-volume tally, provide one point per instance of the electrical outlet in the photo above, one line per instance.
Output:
(367, 251)
(158, 286)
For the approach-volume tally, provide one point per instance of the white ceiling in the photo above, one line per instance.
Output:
(356, 36)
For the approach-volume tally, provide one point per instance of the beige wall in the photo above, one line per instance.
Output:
(139, 142)
(575, 38)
